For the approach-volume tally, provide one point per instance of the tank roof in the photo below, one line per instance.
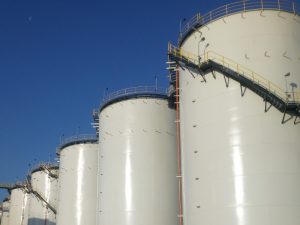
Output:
(133, 92)
(233, 8)
(44, 166)
(78, 139)
(6, 199)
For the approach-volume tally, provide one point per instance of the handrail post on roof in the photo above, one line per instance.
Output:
(262, 4)
(279, 6)
(294, 10)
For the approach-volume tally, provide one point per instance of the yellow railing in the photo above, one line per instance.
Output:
(240, 69)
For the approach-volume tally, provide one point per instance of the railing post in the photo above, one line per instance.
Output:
(279, 6)
(244, 2)
(294, 10)
(226, 10)
(262, 4)
(210, 16)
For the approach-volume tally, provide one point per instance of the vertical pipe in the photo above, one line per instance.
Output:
(178, 150)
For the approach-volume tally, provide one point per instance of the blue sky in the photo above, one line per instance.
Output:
(57, 57)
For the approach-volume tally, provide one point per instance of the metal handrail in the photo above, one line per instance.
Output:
(236, 7)
(288, 97)
(133, 90)
(78, 138)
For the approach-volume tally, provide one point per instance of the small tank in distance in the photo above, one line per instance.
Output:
(18, 206)
(43, 190)
(5, 212)
(78, 156)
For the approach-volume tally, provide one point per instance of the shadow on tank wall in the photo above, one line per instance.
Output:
(37, 221)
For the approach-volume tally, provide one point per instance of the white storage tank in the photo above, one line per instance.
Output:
(5, 212)
(18, 208)
(240, 164)
(78, 180)
(137, 160)
(44, 194)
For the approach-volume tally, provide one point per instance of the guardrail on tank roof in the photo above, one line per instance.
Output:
(237, 7)
(79, 138)
(133, 91)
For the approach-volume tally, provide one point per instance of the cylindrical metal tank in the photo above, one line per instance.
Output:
(18, 207)
(5, 212)
(240, 164)
(78, 181)
(137, 174)
(44, 194)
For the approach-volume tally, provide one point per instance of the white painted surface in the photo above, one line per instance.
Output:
(78, 185)
(47, 187)
(241, 166)
(18, 207)
(138, 166)
(5, 213)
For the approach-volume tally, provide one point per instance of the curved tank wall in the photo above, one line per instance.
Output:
(78, 183)
(44, 183)
(137, 175)
(241, 165)
(5, 213)
(18, 209)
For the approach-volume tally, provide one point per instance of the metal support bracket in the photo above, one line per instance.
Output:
(283, 118)
(295, 121)
(181, 67)
(214, 75)
(267, 108)
(243, 91)
(202, 75)
(192, 74)
(226, 81)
